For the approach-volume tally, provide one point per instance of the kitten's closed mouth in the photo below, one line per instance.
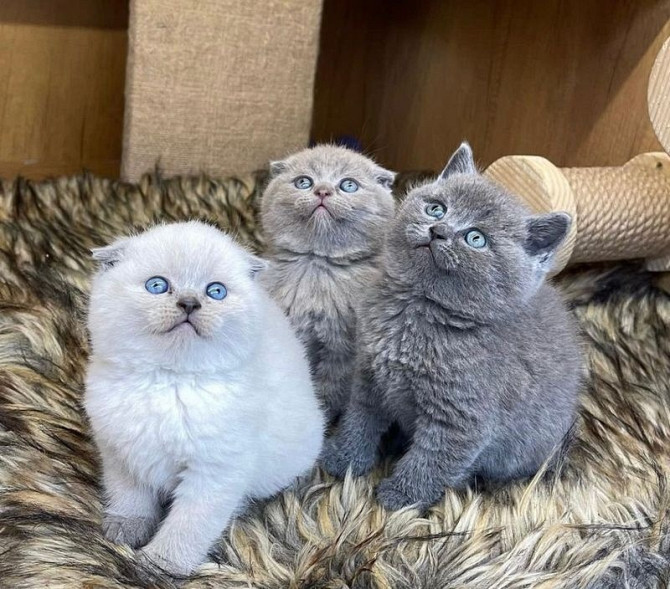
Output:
(186, 325)
(427, 247)
(321, 208)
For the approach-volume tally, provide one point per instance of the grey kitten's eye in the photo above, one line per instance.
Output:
(349, 185)
(216, 291)
(303, 182)
(156, 285)
(475, 238)
(435, 210)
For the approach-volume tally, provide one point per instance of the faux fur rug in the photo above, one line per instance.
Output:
(602, 522)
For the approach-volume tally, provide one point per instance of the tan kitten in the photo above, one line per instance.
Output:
(324, 213)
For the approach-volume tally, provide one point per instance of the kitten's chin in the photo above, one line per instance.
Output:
(321, 213)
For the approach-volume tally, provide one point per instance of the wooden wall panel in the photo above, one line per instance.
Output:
(62, 76)
(565, 79)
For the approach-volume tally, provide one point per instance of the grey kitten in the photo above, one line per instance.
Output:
(324, 213)
(462, 343)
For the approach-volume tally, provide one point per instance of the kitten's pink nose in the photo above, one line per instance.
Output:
(323, 192)
(189, 304)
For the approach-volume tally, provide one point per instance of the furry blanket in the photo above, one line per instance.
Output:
(601, 522)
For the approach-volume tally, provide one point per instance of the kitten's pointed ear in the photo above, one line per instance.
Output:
(109, 255)
(461, 162)
(277, 168)
(385, 178)
(545, 233)
(257, 265)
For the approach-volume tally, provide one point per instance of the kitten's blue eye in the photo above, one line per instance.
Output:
(475, 238)
(435, 210)
(156, 285)
(216, 291)
(348, 185)
(303, 182)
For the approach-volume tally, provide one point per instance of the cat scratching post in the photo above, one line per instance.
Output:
(218, 86)
(618, 212)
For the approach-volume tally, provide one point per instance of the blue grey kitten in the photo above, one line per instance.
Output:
(462, 343)
(324, 214)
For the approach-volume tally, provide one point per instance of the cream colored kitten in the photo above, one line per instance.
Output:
(197, 390)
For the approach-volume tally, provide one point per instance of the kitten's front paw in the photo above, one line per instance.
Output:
(155, 559)
(392, 496)
(336, 458)
(134, 531)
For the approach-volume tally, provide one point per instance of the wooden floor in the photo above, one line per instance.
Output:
(62, 75)
(566, 79)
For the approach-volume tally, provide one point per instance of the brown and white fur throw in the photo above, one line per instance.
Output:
(601, 521)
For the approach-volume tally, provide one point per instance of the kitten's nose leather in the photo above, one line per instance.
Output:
(439, 232)
(323, 192)
(189, 304)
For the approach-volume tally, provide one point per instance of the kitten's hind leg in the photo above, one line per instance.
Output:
(355, 444)
(132, 510)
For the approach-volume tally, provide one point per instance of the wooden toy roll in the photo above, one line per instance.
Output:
(658, 96)
(618, 212)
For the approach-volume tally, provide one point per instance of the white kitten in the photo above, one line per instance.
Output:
(199, 392)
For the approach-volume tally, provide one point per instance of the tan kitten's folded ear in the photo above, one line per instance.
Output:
(385, 178)
(110, 254)
(277, 168)
(461, 162)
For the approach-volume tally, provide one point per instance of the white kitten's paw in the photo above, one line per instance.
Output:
(134, 531)
(155, 559)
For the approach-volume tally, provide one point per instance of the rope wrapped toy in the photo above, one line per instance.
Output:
(618, 212)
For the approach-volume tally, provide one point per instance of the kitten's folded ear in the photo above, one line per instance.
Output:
(111, 254)
(277, 168)
(384, 178)
(546, 233)
(256, 265)
(461, 162)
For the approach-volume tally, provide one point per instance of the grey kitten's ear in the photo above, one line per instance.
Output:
(277, 168)
(461, 162)
(384, 178)
(109, 255)
(256, 265)
(546, 233)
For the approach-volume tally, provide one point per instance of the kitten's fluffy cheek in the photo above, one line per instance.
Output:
(417, 234)
(162, 317)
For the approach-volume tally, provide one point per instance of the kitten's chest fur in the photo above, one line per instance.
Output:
(158, 422)
(411, 345)
(320, 298)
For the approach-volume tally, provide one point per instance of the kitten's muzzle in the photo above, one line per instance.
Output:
(323, 191)
(439, 232)
(189, 304)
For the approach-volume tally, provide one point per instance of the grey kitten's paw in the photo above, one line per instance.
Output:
(134, 531)
(336, 458)
(154, 559)
(392, 496)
